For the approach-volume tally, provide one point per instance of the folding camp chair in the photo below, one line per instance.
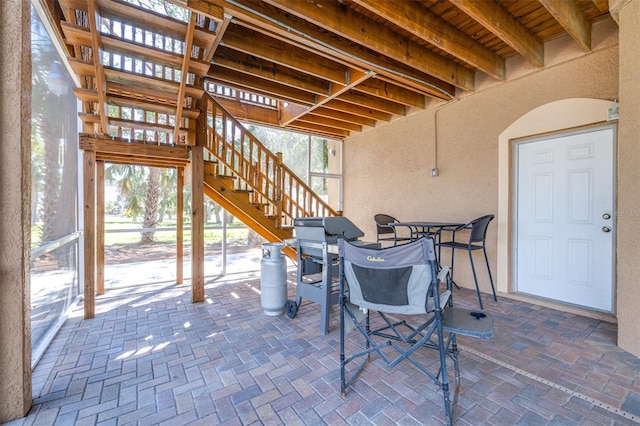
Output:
(403, 281)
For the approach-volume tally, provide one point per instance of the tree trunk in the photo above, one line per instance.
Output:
(151, 204)
(51, 190)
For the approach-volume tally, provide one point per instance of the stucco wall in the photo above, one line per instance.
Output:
(628, 269)
(15, 206)
(387, 168)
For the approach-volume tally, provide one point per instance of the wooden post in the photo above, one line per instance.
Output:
(180, 226)
(89, 172)
(100, 227)
(279, 178)
(197, 208)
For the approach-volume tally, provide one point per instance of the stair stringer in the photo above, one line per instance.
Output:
(221, 190)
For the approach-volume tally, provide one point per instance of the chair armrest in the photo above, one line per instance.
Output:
(443, 273)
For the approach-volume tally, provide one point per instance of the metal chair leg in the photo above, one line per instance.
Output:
(486, 259)
(475, 278)
(453, 251)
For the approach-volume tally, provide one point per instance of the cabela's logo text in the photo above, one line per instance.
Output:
(375, 259)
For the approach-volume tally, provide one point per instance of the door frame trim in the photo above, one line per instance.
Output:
(552, 117)
(515, 145)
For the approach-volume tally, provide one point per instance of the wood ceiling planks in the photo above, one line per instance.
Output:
(329, 67)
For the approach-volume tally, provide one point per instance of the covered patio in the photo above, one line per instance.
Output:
(152, 357)
(427, 137)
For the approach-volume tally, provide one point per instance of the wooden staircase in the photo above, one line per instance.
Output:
(251, 182)
(142, 87)
(222, 190)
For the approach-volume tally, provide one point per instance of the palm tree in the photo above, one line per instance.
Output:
(151, 204)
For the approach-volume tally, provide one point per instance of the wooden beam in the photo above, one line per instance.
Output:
(101, 83)
(179, 224)
(148, 105)
(207, 8)
(220, 30)
(100, 227)
(123, 87)
(142, 125)
(319, 129)
(244, 40)
(345, 22)
(122, 147)
(138, 161)
(353, 79)
(83, 36)
(197, 213)
(423, 23)
(273, 22)
(378, 104)
(89, 203)
(269, 88)
(339, 105)
(602, 5)
(249, 64)
(186, 60)
(385, 90)
(344, 116)
(143, 18)
(248, 112)
(328, 122)
(499, 21)
(570, 16)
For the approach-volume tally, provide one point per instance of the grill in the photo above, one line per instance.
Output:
(318, 269)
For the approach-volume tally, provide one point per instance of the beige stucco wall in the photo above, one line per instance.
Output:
(628, 217)
(387, 168)
(15, 232)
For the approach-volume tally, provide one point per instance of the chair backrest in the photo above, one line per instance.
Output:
(394, 279)
(382, 222)
(479, 228)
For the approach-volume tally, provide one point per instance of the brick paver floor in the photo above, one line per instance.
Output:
(151, 356)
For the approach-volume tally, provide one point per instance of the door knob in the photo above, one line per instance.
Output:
(606, 216)
(606, 229)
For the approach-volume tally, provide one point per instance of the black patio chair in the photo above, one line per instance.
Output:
(403, 280)
(476, 241)
(384, 232)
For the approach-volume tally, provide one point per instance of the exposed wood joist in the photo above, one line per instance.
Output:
(569, 15)
(382, 105)
(317, 128)
(353, 79)
(251, 65)
(248, 112)
(339, 105)
(245, 40)
(328, 122)
(426, 25)
(325, 64)
(385, 90)
(344, 116)
(262, 86)
(343, 21)
(276, 23)
(494, 17)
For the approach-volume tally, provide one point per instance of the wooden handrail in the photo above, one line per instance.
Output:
(242, 156)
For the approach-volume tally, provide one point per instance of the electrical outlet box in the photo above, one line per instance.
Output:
(434, 172)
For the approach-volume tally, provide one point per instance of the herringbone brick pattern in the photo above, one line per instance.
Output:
(152, 357)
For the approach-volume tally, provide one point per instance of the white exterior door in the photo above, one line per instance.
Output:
(565, 218)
